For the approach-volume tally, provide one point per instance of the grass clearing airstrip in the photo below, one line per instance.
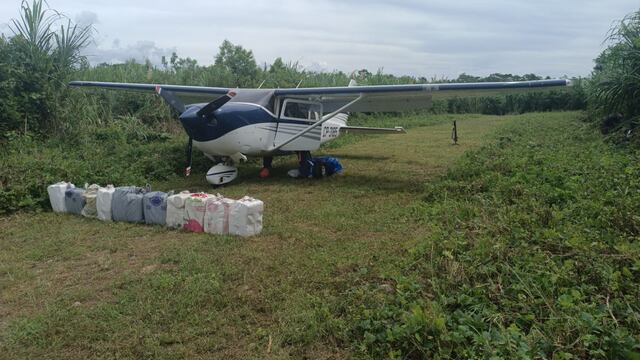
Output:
(370, 263)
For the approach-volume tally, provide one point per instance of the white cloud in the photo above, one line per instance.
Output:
(421, 38)
(139, 51)
(86, 18)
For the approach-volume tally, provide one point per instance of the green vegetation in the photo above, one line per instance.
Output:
(525, 247)
(532, 252)
(519, 243)
(123, 152)
(35, 63)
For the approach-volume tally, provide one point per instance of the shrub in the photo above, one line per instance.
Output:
(122, 153)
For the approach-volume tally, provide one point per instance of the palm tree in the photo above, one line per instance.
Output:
(616, 77)
(35, 28)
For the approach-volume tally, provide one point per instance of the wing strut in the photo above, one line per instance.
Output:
(317, 123)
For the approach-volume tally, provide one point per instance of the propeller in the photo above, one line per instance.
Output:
(208, 110)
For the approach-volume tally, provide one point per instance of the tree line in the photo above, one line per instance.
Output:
(44, 53)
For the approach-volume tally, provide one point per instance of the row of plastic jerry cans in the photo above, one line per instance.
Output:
(197, 212)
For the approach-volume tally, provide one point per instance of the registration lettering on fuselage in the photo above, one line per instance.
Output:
(330, 131)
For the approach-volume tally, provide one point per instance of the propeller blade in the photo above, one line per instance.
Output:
(171, 99)
(215, 104)
(187, 170)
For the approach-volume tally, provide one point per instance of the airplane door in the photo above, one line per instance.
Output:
(294, 116)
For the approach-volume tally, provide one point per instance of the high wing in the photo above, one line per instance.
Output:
(380, 98)
(372, 98)
(335, 100)
(189, 94)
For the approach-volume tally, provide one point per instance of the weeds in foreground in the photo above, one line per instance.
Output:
(533, 253)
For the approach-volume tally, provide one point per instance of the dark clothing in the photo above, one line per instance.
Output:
(317, 167)
(330, 165)
(305, 164)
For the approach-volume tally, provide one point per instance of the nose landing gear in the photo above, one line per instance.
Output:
(221, 174)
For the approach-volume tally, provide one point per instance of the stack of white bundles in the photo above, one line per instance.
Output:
(56, 195)
(90, 198)
(216, 218)
(195, 208)
(245, 217)
(176, 215)
(103, 202)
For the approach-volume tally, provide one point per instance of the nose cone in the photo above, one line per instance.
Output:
(198, 128)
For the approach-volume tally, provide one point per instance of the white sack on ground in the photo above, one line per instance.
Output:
(216, 219)
(176, 215)
(245, 217)
(103, 202)
(90, 196)
(56, 195)
(195, 208)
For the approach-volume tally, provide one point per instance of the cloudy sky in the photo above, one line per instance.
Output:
(431, 38)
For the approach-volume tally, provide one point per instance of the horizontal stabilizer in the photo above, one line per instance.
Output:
(371, 130)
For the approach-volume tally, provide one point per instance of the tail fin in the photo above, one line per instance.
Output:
(353, 83)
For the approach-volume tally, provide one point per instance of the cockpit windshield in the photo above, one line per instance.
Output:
(264, 98)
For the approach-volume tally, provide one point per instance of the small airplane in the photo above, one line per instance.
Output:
(269, 122)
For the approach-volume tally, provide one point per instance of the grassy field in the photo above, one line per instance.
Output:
(398, 257)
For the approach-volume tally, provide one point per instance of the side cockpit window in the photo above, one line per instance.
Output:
(301, 110)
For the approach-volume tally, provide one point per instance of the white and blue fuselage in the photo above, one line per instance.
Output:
(252, 130)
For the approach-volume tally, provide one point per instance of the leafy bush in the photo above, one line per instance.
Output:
(35, 62)
(123, 152)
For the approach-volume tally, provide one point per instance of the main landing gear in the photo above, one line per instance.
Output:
(267, 162)
(304, 169)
